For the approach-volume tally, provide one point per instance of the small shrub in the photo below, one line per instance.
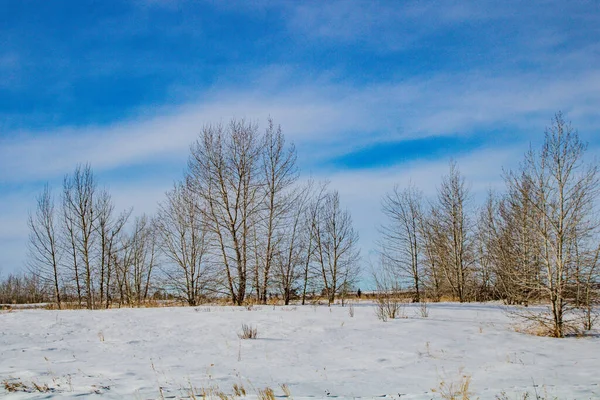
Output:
(248, 332)
(389, 307)
(351, 310)
(543, 329)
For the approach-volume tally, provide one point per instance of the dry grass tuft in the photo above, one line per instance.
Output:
(286, 390)
(239, 390)
(459, 390)
(389, 307)
(16, 385)
(213, 393)
(542, 329)
(274, 301)
(248, 332)
(266, 394)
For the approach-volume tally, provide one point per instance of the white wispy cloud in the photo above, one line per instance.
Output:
(330, 119)
(362, 191)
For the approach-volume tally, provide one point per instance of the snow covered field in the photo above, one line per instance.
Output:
(316, 351)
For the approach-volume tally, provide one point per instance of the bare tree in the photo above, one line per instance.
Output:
(108, 228)
(44, 243)
(429, 236)
(292, 254)
(79, 191)
(315, 197)
(563, 190)
(588, 284)
(485, 244)
(225, 173)
(516, 250)
(70, 245)
(454, 235)
(139, 260)
(184, 240)
(279, 174)
(336, 246)
(399, 242)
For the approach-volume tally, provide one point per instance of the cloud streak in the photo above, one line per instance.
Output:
(330, 120)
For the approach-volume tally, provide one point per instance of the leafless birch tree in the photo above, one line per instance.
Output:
(279, 174)
(139, 260)
(184, 239)
(109, 228)
(44, 243)
(79, 191)
(399, 241)
(292, 253)
(336, 246)
(453, 239)
(225, 173)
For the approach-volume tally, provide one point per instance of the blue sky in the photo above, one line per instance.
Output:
(373, 93)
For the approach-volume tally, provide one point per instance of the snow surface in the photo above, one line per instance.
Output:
(316, 351)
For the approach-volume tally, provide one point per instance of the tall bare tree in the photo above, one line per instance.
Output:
(399, 242)
(336, 246)
(109, 228)
(516, 249)
(184, 240)
(279, 174)
(563, 191)
(292, 253)
(225, 173)
(485, 244)
(139, 260)
(454, 232)
(44, 243)
(429, 234)
(79, 194)
(316, 194)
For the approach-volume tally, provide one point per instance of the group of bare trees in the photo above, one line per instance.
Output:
(429, 244)
(537, 242)
(546, 236)
(80, 250)
(240, 224)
